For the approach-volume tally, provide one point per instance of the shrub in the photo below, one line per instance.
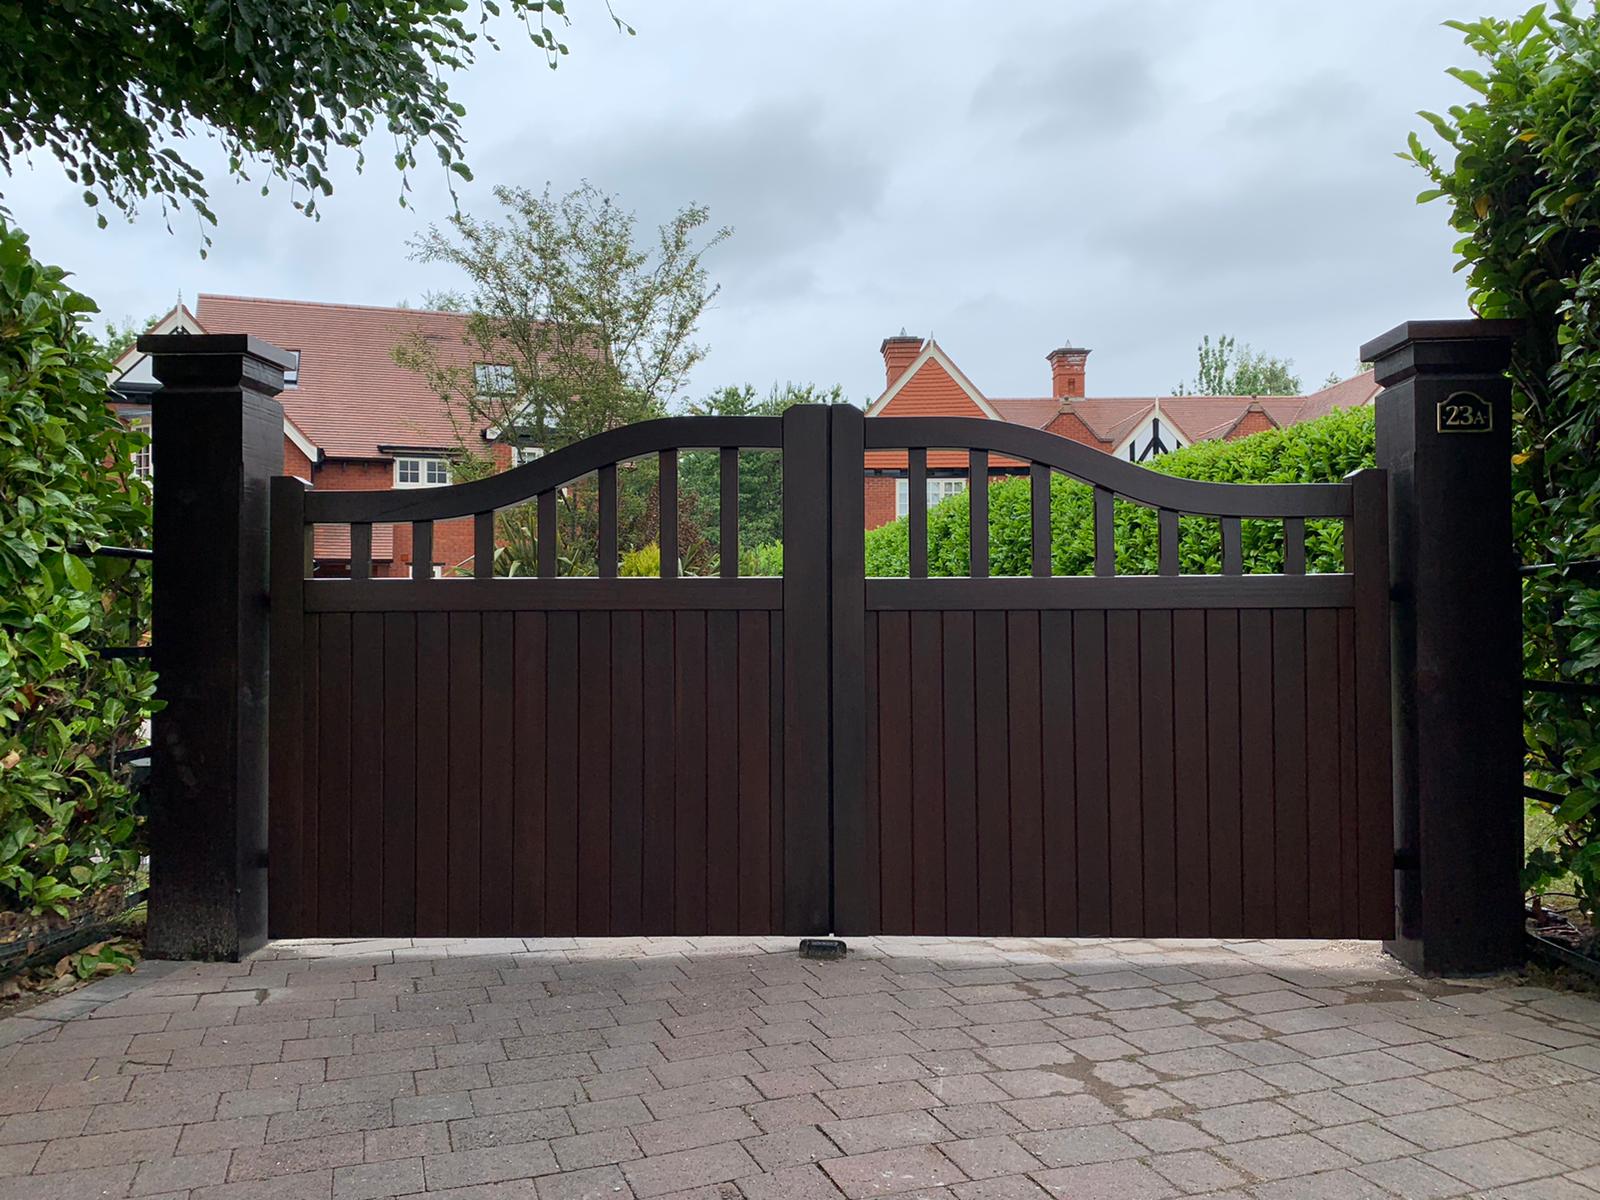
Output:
(1319, 451)
(762, 560)
(67, 817)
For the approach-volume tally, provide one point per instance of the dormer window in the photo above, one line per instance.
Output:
(415, 471)
(291, 373)
(493, 379)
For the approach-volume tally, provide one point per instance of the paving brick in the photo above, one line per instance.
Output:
(295, 1158)
(687, 1169)
(989, 1157)
(789, 1183)
(369, 1181)
(597, 1183)
(789, 1147)
(68, 1185)
(510, 1128)
(863, 1135)
(309, 1185)
(107, 1149)
(1106, 1181)
(902, 1170)
(581, 1150)
(1491, 1164)
(1278, 1157)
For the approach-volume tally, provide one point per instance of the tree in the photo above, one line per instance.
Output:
(119, 336)
(1521, 176)
(108, 87)
(1228, 369)
(572, 326)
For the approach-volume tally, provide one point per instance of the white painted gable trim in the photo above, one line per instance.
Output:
(179, 318)
(1141, 433)
(301, 441)
(932, 352)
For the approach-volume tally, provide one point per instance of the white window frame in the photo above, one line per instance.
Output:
(940, 487)
(291, 375)
(521, 456)
(431, 471)
(144, 458)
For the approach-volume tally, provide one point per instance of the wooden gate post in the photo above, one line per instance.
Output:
(217, 438)
(1444, 436)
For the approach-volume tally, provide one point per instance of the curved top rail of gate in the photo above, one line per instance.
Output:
(1171, 497)
(540, 481)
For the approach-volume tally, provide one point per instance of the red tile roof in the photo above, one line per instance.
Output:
(352, 396)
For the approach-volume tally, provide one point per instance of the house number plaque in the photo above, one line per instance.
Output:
(1465, 412)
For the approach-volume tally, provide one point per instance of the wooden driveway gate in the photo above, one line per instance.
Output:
(1165, 755)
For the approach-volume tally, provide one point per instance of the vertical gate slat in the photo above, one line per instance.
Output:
(433, 774)
(960, 777)
(775, 766)
(333, 771)
(868, 891)
(1232, 531)
(660, 772)
(994, 825)
(1367, 555)
(1294, 545)
(978, 512)
(755, 774)
(1156, 782)
(1289, 771)
(561, 773)
(483, 545)
(1256, 733)
(422, 550)
(1190, 688)
(311, 779)
(1349, 817)
(399, 744)
(288, 877)
(1105, 533)
(1167, 533)
(1091, 760)
(1124, 771)
(667, 519)
(1322, 771)
(466, 772)
(361, 550)
(897, 832)
(917, 511)
(1039, 517)
(367, 827)
(1225, 837)
(723, 718)
(594, 773)
(925, 685)
(627, 780)
(728, 512)
(1025, 763)
(496, 890)
(689, 877)
(529, 748)
(606, 485)
(1058, 737)
(547, 535)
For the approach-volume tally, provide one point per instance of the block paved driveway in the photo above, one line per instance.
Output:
(726, 1069)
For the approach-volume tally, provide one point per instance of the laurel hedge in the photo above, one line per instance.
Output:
(1324, 450)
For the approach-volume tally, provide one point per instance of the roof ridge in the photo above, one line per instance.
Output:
(391, 308)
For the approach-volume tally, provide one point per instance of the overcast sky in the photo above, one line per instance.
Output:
(1008, 177)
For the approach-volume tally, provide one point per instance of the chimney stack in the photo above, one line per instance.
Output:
(898, 353)
(1067, 366)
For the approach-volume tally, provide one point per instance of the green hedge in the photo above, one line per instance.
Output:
(1319, 451)
(68, 823)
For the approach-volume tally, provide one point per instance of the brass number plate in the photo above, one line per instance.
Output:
(1465, 412)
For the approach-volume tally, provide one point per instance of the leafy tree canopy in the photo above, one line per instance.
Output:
(115, 88)
(1228, 369)
(580, 326)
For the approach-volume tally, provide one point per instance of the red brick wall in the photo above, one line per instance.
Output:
(1070, 425)
(880, 500)
(295, 462)
(1251, 422)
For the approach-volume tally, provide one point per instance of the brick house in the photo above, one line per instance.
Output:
(353, 418)
(921, 380)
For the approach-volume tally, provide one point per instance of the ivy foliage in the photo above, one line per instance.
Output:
(1320, 451)
(67, 817)
(1520, 171)
(115, 88)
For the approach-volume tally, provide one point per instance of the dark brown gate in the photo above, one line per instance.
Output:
(1167, 755)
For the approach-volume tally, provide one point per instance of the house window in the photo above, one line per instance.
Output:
(938, 489)
(421, 472)
(143, 467)
(493, 379)
(521, 455)
(291, 373)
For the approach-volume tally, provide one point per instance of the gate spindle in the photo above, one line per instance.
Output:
(728, 513)
(978, 512)
(483, 545)
(1039, 503)
(1105, 536)
(667, 519)
(547, 535)
(606, 479)
(422, 549)
(1294, 545)
(917, 511)
(1167, 530)
(361, 550)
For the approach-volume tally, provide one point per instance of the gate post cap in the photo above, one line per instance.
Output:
(1460, 347)
(216, 360)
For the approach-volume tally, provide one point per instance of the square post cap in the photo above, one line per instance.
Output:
(202, 361)
(1469, 347)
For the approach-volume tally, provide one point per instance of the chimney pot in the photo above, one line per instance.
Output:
(1068, 365)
